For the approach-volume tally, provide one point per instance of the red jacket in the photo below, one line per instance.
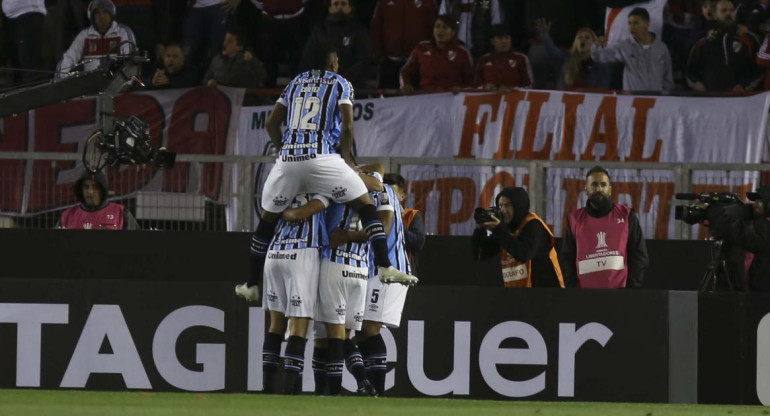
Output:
(399, 25)
(510, 69)
(438, 70)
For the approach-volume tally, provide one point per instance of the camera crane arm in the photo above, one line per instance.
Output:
(106, 82)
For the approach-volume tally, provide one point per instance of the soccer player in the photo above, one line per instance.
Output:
(291, 287)
(315, 156)
(342, 296)
(385, 302)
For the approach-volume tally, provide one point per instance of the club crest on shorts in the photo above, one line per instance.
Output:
(271, 296)
(359, 317)
(339, 192)
(280, 201)
(296, 301)
(340, 310)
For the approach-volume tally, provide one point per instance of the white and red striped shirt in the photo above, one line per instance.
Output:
(89, 45)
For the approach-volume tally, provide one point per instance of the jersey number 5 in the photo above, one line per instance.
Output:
(300, 121)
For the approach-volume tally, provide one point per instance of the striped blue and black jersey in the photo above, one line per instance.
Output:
(310, 233)
(314, 122)
(387, 201)
(353, 253)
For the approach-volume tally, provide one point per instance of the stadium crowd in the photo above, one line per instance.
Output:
(400, 46)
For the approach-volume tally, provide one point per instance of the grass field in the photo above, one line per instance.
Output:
(88, 403)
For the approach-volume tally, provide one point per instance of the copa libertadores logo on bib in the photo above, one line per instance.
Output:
(601, 239)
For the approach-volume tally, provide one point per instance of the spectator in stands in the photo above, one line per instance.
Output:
(95, 212)
(235, 67)
(474, 20)
(603, 245)
(763, 60)
(174, 73)
(25, 20)
(205, 25)
(281, 32)
(703, 24)
(414, 224)
(104, 37)
(724, 60)
(523, 241)
(503, 68)
(646, 61)
(397, 27)
(754, 15)
(349, 38)
(578, 70)
(440, 64)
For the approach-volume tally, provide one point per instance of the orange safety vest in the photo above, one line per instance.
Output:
(519, 274)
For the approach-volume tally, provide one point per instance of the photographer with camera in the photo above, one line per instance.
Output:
(521, 238)
(745, 227)
(603, 245)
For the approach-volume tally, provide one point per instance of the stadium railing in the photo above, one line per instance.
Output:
(220, 192)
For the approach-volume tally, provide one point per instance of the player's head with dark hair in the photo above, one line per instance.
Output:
(398, 183)
(394, 179)
(323, 57)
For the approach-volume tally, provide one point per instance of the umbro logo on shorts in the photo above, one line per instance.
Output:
(280, 201)
(339, 192)
(296, 301)
(373, 308)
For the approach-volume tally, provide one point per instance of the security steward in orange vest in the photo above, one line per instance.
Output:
(522, 240)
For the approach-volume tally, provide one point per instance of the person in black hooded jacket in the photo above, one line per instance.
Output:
(746, 236)
(95, 211)
(522, 240)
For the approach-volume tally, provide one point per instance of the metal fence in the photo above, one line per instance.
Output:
(218, 193)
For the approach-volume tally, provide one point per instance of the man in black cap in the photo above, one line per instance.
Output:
(749, 230)
(523, 241)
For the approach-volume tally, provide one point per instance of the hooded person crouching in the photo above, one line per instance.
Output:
(523, 241)
(95, 212)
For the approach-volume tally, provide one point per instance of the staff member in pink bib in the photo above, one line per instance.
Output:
(603, 247)
(95, 212)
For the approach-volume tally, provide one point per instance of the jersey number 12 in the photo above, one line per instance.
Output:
(300, 121)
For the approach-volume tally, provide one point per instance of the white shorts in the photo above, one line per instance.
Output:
(327, 175)
(385, 302)
(342, 294)
(291, 282)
